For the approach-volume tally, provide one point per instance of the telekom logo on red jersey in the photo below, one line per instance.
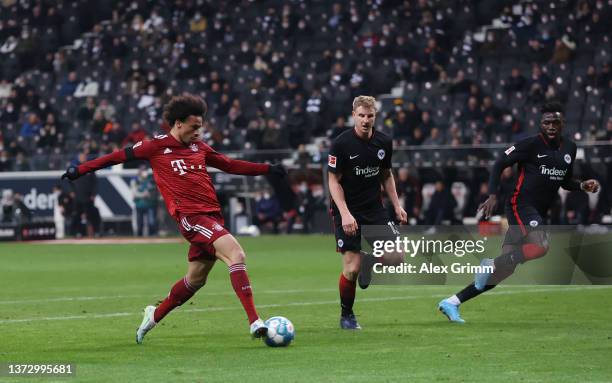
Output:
(179, 166)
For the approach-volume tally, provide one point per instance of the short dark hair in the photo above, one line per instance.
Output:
(552, 107)
(181, 107)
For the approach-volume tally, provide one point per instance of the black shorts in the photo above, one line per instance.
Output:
(344, 243)
(521, 220)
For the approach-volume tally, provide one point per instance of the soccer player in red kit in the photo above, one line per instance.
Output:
(179, 160)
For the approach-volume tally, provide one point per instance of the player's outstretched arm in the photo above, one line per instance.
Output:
(140, 150)
(388, 182)
(232, 166)
(75, 171)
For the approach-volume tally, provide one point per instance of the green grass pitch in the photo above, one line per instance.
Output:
(82, 304)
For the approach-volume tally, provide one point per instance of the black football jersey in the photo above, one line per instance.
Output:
(542, 169)
(360, 162)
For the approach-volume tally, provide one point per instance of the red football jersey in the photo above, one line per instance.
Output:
(180, 171)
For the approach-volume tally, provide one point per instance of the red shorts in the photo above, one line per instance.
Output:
(201, 230)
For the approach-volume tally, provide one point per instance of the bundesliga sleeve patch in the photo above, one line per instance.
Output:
(331, 161)
(509, 150)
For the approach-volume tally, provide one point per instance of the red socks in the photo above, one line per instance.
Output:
(242, 287)
(182, 291)
(347, 294)
(179, 294)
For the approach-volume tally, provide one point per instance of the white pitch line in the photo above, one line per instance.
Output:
(205, 293)
(312, 303)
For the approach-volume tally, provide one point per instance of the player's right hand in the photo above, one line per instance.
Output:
(349, 225)
(72, 173)
(278, 169)
(488, 207)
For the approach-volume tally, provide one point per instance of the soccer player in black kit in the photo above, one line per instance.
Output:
(359, 162)
(545, 163)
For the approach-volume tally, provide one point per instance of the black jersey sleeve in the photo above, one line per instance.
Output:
(568, 182)
(516, 153)
(387, 160)
(335, 158)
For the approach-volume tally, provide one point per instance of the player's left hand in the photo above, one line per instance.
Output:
(278, 170)
(72, 173)
(590, 186)
(401, 216)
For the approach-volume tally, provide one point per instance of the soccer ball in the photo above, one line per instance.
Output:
(280, 332)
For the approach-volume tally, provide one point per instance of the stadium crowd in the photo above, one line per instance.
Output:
(87, 77)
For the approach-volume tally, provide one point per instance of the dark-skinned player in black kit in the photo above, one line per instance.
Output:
(545, 163)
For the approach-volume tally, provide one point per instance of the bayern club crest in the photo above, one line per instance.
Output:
(193, 147)
(217, 227)
(567, 158)
(381, 154)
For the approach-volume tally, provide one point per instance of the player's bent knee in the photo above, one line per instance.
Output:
(534, 250)
(237, 256)
(197, 281)
(351, 275)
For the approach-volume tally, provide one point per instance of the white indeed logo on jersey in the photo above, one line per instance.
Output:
(554, 173)
(369, 171)
(179, 166)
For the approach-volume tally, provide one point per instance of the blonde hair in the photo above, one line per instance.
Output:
(365, 101)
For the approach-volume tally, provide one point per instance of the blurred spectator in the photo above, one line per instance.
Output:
(460, 84)
(516, 82)
(106, 109)
(308, 205)
(197, 23)
(417, 137)
(6, 203)
(115, 135)
(21, 164)
(537, 52)
(426, 123)
(61, 210)
(86, 112)
(10, 114)
(563, 51)
(69, 85)
(145, 202)
(472, 111)
(31, 127)
(136, 134)
(21, 213)
(441, 206)
(267, 210)
(86, 220)
(435, 138)
(6, 164)
(409, 191)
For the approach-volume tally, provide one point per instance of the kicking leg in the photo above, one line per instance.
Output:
(229, 251)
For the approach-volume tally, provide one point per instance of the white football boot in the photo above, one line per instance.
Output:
(147, 324)
(258, 329)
